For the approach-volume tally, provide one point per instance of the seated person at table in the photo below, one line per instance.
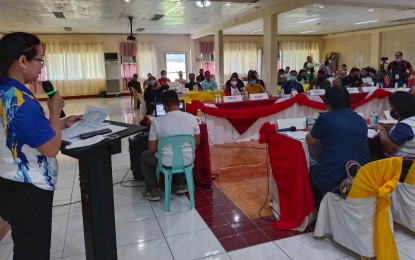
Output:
(353, 80)
(302, 76)
(174, 122)
(338, 136)
(208, 84)
(281, 77)
(200, 77)
(292, 84)
(259, 81)
(320, 82)
(338, 81)
(366, 79)
(234, 88)
(399, 140)
(152, 94)
(180, 80)
(253, 87)
(240, 84)
(164, 80)
(192, 83)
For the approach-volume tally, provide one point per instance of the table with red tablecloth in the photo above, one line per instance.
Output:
(202, 173)
(241, 121)
(290, 188)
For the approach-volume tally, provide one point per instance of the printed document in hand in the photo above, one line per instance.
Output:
(92, 120)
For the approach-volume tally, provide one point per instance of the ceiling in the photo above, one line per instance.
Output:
(184, 17)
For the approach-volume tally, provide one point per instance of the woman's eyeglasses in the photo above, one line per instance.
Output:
(41, 61)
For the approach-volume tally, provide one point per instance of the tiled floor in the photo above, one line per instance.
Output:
(224, 225)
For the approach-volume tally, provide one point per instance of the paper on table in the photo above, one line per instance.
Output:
(299, 135)
(114, 129)
(388, 121)
(92, 120)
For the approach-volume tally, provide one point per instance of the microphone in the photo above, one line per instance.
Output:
(292, 128)
(50, 91)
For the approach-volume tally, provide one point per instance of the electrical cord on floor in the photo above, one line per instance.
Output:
(266, 199)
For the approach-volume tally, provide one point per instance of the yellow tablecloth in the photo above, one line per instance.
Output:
(205, 95)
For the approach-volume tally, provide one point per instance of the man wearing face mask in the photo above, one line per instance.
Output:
(164, 80)
(292, 84)
(399, 140)
(253, 87)
(353, 80)
(152, 94)
(281, 77)
(399, 70)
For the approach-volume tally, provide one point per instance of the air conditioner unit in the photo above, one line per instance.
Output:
(128, 59)
(208, 57)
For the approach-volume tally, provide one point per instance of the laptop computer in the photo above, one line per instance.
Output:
(159, 111)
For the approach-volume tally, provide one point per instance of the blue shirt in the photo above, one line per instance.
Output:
(343, 136)
(288, 86)
(209, 85)
(24, 127)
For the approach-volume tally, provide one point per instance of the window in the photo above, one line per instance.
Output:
(175, 62)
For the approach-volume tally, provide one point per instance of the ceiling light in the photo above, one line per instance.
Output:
(308, 20)
(373, 21)
(228, 4)
(308, 31)
(203, 3)
(127, 1)
(260, 30)
(321, 6)
(370, 10)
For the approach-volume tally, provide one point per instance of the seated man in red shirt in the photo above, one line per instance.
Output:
(164, 80)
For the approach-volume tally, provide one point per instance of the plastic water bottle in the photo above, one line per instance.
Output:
(396, 85)
(282, 94)
(199, 115)
(373, 118)
(404, 85)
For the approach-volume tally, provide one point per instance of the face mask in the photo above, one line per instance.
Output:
(393, 114)
(364, 74)
(293, 78)
(252, 82)
(152, 82)
(163, 76)
(234, 83)
(282, 76)
(398, 60)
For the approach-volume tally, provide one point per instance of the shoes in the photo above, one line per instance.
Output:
(152, 195)
(182, 188)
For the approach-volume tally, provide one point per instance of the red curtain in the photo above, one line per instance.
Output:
(127, 72)
(128, 48)
(206, 47)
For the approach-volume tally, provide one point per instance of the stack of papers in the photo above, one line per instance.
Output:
(298, 135)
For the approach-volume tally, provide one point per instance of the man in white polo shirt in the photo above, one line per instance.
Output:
(174, 122)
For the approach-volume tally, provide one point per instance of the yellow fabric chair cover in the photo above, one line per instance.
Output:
(403, 201)
(135, 97)
(362, 220)
(379, 178)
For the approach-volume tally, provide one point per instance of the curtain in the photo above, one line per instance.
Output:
(206, 47)
(127, 72)
(128, 48)
(294, 54)
(76, 68)
(147, 59)
(209, 66)
(239, 57)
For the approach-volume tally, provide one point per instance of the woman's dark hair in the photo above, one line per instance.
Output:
(299, 77)
(337, 97)
(13, 45)
(281, 71)
(403, 103)
(169, 97)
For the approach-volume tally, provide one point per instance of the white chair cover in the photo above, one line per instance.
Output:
(403, 205)
(350, 221)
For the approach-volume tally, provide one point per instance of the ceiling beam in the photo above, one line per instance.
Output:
(279, 8)
(374, 4)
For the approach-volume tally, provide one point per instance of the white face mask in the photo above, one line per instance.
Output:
(234, 83)
(398, 60)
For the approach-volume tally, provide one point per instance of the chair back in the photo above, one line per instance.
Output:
(176, 141)
(379, 179)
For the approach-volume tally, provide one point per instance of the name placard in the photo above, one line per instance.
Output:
(237, 98)
(258, 96)
(353, 90)
(317, 92)
(294, 93)
(369, 89)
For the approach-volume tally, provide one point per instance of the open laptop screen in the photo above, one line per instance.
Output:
(159, 111)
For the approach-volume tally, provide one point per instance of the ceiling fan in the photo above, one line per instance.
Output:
(131, 37)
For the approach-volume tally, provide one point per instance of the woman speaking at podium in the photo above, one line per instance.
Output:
(29, 143)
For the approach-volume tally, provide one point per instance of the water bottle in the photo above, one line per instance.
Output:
(404, 85)
(373, 118)
(199, 115)
(396, 85)
(282, 92)
(195, 88)
(217, 98)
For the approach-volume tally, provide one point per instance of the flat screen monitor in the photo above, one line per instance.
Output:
(159, 111)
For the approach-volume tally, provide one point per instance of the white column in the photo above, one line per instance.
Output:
(270, 52)
(219, 73)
